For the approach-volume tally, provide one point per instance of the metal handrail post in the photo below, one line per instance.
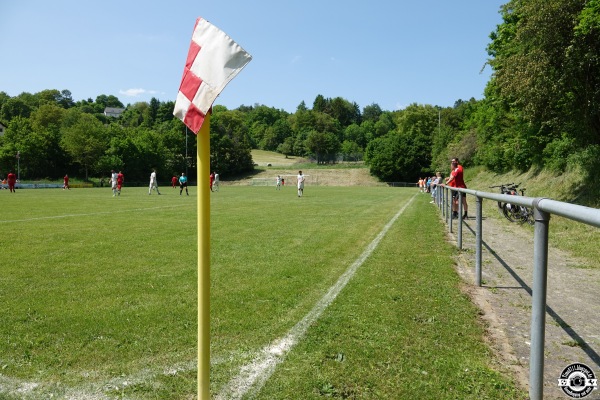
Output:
(478, 239)
(446, 203)
(538, 310)
(450, 211)
(443, 205)
(459, 219)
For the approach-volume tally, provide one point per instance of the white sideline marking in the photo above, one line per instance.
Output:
(89, 214)
(92, 391)
(256, 373)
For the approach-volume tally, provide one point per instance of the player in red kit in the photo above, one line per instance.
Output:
(11, 179)
(120, 180)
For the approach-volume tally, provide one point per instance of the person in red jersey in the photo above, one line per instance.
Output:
(120, 180)
(11, 180)
(456, 180)
(174, 181)
(66, 182)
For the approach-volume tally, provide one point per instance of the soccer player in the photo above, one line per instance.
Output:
(174, 181)
(120, 180)
(66, 182)
(212, 179)
(216, 183)
(278, 182)
(153, 183)
(12, 180)
(300, 179)
(183, 184)
(113, 182)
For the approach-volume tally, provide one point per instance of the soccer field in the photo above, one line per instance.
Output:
(98, 296)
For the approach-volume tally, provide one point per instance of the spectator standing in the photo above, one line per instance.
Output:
(456, 180)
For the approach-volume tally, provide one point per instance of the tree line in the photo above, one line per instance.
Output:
(540, 110)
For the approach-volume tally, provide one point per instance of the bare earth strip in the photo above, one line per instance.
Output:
(315, 177)
(573, 304)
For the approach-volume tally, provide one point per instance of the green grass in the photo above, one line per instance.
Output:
(263, 157)
(98, 296)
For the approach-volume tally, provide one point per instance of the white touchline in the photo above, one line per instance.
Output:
(89, 214)
(256, 373)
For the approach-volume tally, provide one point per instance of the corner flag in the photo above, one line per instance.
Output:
(213, 60)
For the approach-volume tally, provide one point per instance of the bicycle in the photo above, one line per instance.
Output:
(516, 213)
(503, 190)
(513, 212)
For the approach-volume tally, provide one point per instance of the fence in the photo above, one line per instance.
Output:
(543, 208)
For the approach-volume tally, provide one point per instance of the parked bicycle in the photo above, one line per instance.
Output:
(514, 212)
(503, 190)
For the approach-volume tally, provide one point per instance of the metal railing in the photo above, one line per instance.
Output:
(543, 208)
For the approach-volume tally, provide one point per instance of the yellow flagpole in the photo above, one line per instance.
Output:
(204, 259)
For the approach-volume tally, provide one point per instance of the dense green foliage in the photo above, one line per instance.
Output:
(541, 109)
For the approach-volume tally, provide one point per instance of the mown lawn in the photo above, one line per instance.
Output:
(98, 296)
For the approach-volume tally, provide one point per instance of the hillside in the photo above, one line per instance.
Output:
(270, 164)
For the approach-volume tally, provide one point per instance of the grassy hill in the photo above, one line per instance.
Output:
(270, 164)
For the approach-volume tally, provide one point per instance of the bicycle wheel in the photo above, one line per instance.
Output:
(529, 218)
(522, 214)
(510, 212)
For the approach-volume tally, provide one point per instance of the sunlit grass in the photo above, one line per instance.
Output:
(98, 295)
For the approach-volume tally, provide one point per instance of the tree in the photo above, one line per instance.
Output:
(324, 145)
(287, 147)
(546, 68)
(14, 107)
(85, 141)
(229, 143)
(351, 151)
(371, 112)
(109, 101)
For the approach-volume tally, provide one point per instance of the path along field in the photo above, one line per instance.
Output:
(98, 297)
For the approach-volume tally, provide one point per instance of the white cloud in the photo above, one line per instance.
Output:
(136, 92)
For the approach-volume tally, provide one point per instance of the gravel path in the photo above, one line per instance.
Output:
(573, 302)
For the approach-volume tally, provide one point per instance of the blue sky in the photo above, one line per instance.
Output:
(393, 53)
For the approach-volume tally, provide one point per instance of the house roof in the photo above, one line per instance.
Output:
(113, 111)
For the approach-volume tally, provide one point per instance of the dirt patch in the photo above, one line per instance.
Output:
(572, 328)
(314, 177)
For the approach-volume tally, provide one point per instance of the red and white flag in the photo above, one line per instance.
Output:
(213, 60)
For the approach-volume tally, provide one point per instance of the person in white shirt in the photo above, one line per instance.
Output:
(278, 182)
(153, 184)
(300, 179)
(216, 183)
